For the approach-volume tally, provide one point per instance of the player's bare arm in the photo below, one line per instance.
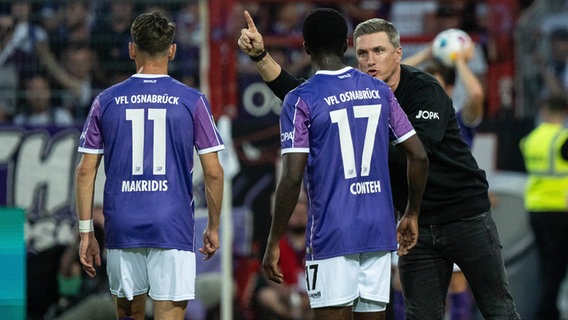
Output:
(85, 174)
(213, 177)
(287, 192)
(417, 167)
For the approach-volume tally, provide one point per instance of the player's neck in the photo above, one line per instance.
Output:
(151, 67)
(328, 62)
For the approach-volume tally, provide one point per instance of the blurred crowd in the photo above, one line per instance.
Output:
(55, 56)
(80, 47)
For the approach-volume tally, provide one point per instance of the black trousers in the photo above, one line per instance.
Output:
(551, 235)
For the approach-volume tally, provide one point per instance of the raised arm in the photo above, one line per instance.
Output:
(472, 111)
(57, 71)
(251, 43)
(278, 80)
(419, 57)
(551, 81)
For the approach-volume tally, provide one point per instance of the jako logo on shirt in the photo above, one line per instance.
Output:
(427, 115)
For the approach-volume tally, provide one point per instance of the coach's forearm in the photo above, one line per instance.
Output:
(268, 68)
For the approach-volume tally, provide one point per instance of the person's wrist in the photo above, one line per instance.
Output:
(86, 226)
(259, 56)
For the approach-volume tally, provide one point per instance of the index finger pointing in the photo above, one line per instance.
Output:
(250, 23)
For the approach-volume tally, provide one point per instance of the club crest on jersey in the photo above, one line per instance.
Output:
(427, 115)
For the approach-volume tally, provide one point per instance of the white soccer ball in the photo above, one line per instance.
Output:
(448, 43)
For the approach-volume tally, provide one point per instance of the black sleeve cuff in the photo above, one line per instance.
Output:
(284, 83)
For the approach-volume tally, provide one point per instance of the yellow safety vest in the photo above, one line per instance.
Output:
(547, 185)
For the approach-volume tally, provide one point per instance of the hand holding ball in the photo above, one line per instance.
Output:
(448, 44)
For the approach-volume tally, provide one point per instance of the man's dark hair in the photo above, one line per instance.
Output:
(557, 103)
(448, 74)
(152, 33)
(325, 31)
(376, 25)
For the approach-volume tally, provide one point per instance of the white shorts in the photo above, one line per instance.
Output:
(360, 280)
(394, 259)
(165, 274)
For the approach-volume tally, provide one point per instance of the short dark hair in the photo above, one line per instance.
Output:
(152, 33)
(376, 25)
(448, 74)
(325, 30)
(556, 102)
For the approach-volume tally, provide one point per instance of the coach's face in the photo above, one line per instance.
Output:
(377, 57)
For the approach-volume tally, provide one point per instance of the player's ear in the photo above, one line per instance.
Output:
(132, 50)
(172, 51)
(306, 48)
(346, 45)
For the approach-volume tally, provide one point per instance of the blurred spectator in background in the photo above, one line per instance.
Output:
(74, 77)
(554, 68)
(110, 39)
(450, 15)
(38, 108)
(27, 34)
(188, 39)
(72, 22)
(288, 18)
(361, 10)
(78, 87)
(8, 68)
(296, 61)
(545, 152)
(288, 300)
(470, 114)
(19, 37)
(534, 73)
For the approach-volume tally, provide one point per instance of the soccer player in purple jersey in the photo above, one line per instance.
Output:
(147, 127)
(335, 134)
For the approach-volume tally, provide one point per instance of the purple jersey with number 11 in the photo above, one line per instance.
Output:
(147, 127)
(345, 121)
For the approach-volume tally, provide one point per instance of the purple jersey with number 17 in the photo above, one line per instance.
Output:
(345, 121)
(147, 127)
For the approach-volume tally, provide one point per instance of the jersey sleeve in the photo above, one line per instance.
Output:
(398, 121)
(91, 139)
(294, 122)
(207, 137)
